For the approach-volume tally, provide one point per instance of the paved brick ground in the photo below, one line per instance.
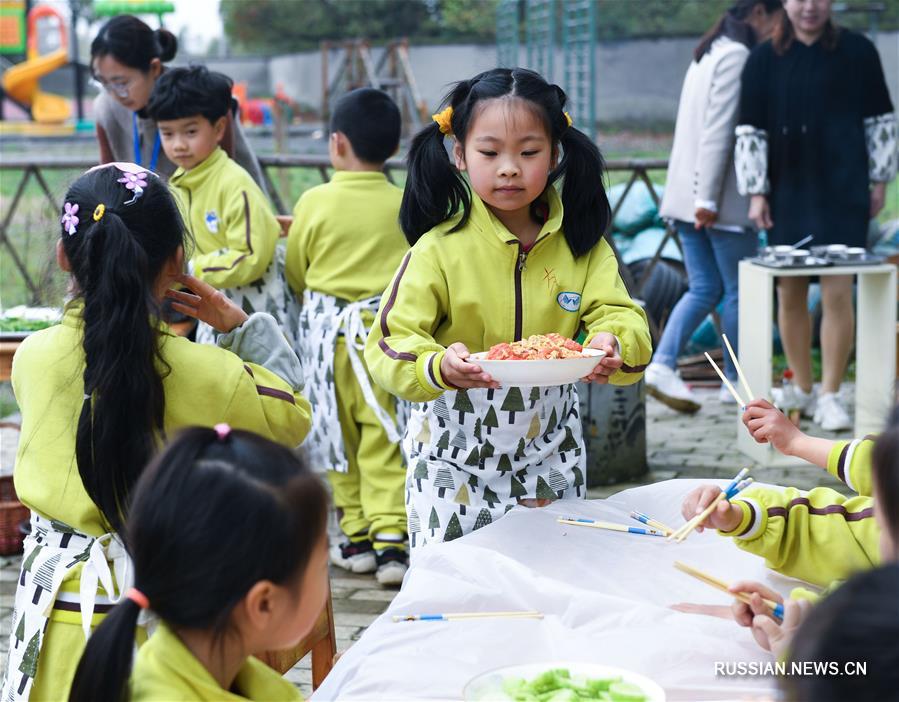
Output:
(701, 445)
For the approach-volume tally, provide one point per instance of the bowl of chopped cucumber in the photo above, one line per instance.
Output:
(562, 682)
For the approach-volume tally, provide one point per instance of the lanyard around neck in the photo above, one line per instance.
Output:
(154, 157)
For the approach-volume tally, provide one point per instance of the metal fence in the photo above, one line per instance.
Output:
(33, 168)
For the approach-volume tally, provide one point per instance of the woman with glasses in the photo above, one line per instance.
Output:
(126, 59)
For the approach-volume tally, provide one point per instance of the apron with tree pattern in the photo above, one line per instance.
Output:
(474, 454)
(270, 293)
(323, 318)
(51, 550)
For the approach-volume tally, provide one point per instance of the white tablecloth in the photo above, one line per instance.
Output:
(605, 596)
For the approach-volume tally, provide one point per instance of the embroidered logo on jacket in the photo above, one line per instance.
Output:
(212, 221)
(569, 301)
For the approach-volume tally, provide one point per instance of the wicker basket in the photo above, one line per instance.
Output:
(12, 514)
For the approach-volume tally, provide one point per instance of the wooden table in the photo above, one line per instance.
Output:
(7, 351)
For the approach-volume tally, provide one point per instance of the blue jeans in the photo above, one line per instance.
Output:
(711, 257)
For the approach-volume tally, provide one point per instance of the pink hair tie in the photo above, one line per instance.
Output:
(222, 430)
(138, 598)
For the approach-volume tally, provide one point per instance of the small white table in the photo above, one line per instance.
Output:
(875, 345)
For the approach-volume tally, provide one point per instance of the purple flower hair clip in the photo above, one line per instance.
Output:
(70, 218)
(136, 182)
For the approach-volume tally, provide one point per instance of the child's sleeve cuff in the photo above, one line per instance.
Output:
(752, 524)
(427, 368)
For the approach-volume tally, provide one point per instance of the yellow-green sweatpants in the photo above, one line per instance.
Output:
(370, 495)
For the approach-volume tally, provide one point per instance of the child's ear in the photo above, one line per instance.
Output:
(259, 606)
(219, 128)
(61, 259)
(341, 143)
(155, 68)
(458, 155)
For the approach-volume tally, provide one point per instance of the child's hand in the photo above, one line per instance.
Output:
(771, 634)
(725, 517)
(610, 363)
(768, 425)
(458, 372)
(206, 304)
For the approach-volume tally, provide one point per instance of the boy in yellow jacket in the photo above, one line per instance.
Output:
(234, 229)
(343, 247)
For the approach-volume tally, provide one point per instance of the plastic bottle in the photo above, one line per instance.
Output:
(789, 401)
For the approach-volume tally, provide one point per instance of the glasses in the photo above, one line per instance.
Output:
(118, 88)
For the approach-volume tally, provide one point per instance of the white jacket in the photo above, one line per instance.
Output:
(700, 170)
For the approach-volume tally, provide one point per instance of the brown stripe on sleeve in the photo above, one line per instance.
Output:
(820, 511)
(249, 370)
(278, 394)
(841, 462)
(385, 329)
(633, 369)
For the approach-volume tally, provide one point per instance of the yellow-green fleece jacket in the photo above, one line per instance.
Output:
(818, 536)
(345, 240)
(234, 228)
(479, 286)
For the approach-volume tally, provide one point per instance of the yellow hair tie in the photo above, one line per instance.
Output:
(444, 120)
(99, 211)
(568, 118)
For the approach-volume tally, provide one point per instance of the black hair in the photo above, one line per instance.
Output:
(371, 121)
(193, 560)
(187, 92)
(132, 43)
(858, 623)
(885, 469)
(733, 24)
(116, 256)
(435, 190)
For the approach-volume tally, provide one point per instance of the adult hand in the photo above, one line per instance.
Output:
(768, 425)
(459, 372)
(704, 218)
(207, 304)
(725, 517)
(878, 198)
(610, 363)
(760, 212)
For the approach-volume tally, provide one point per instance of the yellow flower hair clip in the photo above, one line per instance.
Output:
(99, 211)
(568, 118)
(444, 120)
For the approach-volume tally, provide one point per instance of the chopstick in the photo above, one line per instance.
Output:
(609, 526)
(726, 382)
(649, 521)
(526, 614)
(777, 609)
(739, 483)
(733, 357)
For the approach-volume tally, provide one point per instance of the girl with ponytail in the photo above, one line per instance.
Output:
(222, 589)
(507, 234)
(100, 391)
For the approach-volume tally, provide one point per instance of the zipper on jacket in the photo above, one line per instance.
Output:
(519, 311)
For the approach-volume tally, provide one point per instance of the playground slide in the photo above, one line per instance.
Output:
(21, 83)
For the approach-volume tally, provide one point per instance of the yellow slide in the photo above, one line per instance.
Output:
(21, 82)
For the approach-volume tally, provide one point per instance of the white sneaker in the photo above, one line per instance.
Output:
(830, 414)
(806, 401)
(666, 386)
(356, 557)
(724, 396)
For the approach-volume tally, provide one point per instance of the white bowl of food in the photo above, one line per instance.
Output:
(582, 681)
(542, 360)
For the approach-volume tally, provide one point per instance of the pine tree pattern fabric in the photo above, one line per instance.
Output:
(322, 319)
(270, 293)
(474, 454)
(52, 550)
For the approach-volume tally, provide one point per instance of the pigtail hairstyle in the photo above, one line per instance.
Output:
(185, 542)
(116, 254)
(435, 190)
